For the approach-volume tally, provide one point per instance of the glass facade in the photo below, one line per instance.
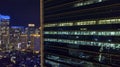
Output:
(82, 33)
(78, 23)
(87, 2)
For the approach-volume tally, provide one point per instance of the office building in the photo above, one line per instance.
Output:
(15, 36)
(23, 42)
(32, 32)
(35, 43)
(4, 31)
(31, 28)
(82, 33)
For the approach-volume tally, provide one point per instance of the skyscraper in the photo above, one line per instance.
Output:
(4, 31)
(82, 33)
(35, 42)
(16, 37)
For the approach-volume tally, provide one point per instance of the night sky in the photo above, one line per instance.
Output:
(21, 12)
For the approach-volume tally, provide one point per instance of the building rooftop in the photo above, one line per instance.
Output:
(4, 17)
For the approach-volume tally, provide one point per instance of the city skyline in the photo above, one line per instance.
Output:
(19, 33)
(22, 12)
(60, 33)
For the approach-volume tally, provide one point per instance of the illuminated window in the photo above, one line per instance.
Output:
(109, 21)
(100, 33)
(87, 2)
(89, 43)
(89, 22)
(65, 24)
(86, 23)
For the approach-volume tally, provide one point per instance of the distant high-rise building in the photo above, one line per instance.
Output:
(82, 33)
(35, 42)
(23, 42)
(18, 29)
(4, 31)
(15, 35)
(31, 28)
